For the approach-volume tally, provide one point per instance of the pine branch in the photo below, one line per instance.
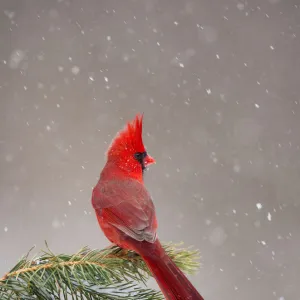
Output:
(111, 273)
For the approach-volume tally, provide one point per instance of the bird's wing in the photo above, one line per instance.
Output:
(127, 205)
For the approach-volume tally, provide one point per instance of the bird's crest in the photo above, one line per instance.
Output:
(129, 140)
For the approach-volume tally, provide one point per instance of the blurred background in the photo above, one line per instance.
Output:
(218, 82)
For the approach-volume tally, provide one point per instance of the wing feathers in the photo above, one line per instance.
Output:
(127, 205)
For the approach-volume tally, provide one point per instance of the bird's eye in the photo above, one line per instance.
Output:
(139, 156)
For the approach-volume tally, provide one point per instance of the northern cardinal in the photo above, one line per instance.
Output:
(126, 213)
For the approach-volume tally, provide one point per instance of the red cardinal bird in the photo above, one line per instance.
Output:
(126, 213)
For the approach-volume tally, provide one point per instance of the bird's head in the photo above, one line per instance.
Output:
(127, 150)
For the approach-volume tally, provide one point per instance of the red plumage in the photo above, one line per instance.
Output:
(126, 213)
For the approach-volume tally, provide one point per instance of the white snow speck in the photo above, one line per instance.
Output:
(207, 222)
(15, 58)
(75, 70)
(234, 211)
(256, 105)
(108, 38)
(40, 85)
(263, 243)
(269, 216)
(272, 47)
(70, 203)
(176, 23)
(181, 65)
(218, 236)
(259, 206)
(58, 105)
(237, 168)
(56, 224)
(48, 128)
(5, 229)
(10, 14)
(213, 157)
(217, 56)
(9, 157)
(41, 56)
(240, 6)
(91, 78)
(125, 57)
(208, 91)
(106, 79)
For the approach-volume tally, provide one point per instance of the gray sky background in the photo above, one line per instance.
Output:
(218, 82)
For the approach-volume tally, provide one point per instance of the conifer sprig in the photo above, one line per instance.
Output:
(111, 273)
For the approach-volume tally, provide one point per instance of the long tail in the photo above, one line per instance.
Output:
(171, 280)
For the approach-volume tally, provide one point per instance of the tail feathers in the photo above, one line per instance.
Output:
(171, 280)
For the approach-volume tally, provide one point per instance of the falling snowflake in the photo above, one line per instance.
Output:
(9, 14)
(56, 224)
(75, 70)
(240, 6)
(9, 157)
(15, 59)
(259, 206)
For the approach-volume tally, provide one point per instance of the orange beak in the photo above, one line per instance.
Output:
(149, 160)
